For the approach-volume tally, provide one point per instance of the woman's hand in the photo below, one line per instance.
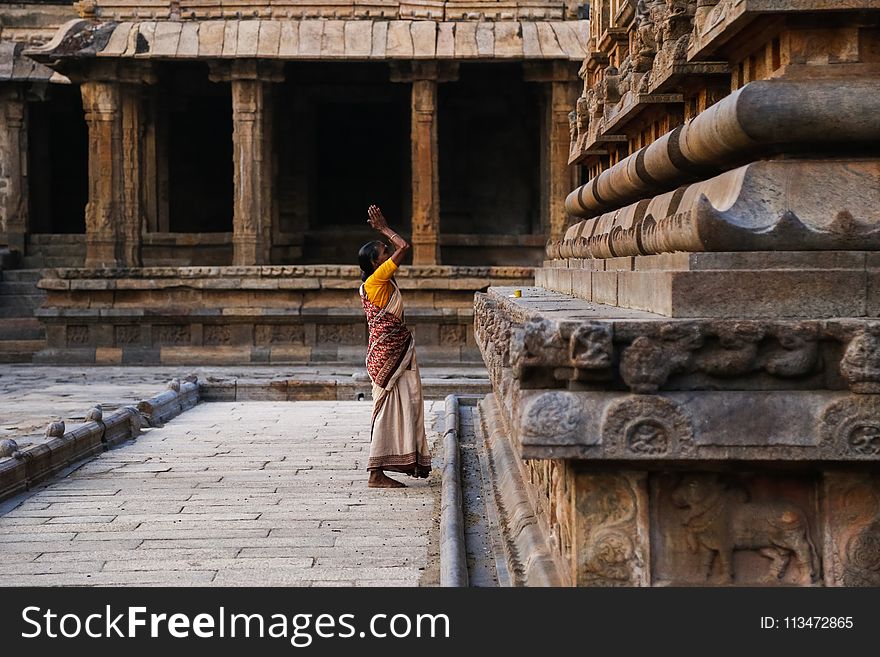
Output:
(377, 219)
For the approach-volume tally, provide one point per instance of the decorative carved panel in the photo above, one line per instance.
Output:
(718, 529)
(268, 334)
(610, 536)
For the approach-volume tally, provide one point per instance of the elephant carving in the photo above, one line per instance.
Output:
(719, 520)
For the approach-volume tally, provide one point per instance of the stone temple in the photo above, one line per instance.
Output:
(657, 223)
(196, 174)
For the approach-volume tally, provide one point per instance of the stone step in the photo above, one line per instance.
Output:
(19, 351)
(22, 301)
(71, 250)
(20, 275)
(56, 239)
(8, 312)
(45, 261)
(21, 328)
(16, 288)
(8, 259)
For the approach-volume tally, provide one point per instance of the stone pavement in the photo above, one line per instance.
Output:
(230, 494)
(33, 395)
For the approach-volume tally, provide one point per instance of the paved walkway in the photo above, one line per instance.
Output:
(230, 494)
(31, 396)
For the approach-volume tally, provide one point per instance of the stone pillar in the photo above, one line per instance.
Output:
(13, 169)
(562, 87)
(254, 202)
(562, 177)
(133, 208)
(101, 104)
(424, 77)
(112, 102)
(425, 178)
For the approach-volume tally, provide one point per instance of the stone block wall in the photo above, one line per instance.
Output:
(232, 315)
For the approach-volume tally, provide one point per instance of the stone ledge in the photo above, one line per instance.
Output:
(37, 463)
(548, 340)
(714, 28)
(284, 271)
(806, 426)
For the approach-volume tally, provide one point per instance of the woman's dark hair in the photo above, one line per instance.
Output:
(369, 252)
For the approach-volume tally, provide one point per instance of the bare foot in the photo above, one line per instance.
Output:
(379, 479)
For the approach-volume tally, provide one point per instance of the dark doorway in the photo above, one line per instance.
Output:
(489, 143)
(58, 164)
(343, 144)
(362, 158)
(198, 116)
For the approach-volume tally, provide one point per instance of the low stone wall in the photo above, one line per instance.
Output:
(252, 315)
(25, 468)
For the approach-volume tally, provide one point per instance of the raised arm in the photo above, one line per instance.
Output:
(377, 220)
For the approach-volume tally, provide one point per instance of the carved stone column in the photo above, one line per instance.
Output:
(425, 178)
(558, 177)
(13, 174)
(112, 102)
(254, 203)
(424, 77)
(562, 176)
(101, 104)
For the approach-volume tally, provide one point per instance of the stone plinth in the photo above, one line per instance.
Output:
(658, 451)
(746, 284)
(241, 315)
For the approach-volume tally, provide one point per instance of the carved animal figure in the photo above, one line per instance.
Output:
(95, 414)
(8, 447)
(720, 520)
(55, 429)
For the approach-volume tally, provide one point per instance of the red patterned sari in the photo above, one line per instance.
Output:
(397, 441)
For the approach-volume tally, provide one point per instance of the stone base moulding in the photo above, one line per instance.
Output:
(790, 205)
(251, 315)
(746, 284)
(524, 525)
(630, 449)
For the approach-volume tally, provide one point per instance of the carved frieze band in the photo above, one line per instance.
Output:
(648, 356)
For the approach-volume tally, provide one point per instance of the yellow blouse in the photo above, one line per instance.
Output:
(378, 287)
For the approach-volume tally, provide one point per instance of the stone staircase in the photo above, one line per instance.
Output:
(54, 250)
(21, 334)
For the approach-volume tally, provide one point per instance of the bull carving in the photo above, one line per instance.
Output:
(718, 520)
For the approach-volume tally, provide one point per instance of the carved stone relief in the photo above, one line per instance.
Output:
(646, 426)
(453, 334)
(717, 529)
(217, 334)
(860, 364)
(339, 333)
(852, 514)
(609, 546)
(541, 350)
(77, 335)
(269, 334)
(126, 335)
(171, 334)
(851, 427)
(553, 418)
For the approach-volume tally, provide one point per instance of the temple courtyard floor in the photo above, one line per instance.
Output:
(244, 493)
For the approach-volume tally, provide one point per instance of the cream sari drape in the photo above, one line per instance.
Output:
(398, 440)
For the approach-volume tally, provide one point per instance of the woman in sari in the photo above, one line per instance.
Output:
(397, 438)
